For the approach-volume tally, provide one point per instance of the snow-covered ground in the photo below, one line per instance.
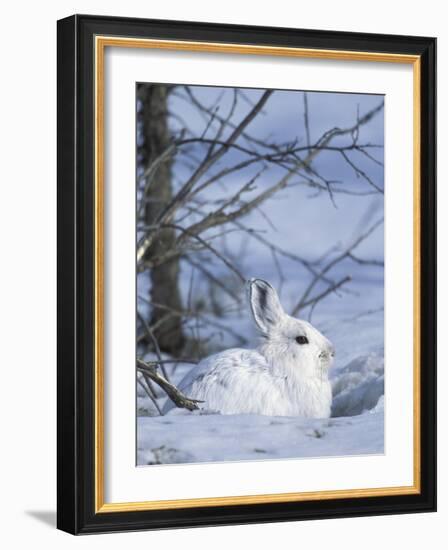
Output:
(355, 428)
(194, 437)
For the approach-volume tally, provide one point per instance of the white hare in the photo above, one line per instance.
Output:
(287, 375)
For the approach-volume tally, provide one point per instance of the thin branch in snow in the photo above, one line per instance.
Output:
(178, 398)
(149, 392)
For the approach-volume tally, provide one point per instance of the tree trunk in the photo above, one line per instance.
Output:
(164, 278)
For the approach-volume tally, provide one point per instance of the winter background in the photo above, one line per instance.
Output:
(302, 221)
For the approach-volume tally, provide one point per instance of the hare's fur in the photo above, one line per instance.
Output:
(280, 378)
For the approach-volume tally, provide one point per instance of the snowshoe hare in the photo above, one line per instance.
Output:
(287, 375)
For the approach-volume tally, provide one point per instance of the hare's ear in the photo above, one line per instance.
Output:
(265, 305)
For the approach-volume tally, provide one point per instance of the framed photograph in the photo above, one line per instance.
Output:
(246, 274)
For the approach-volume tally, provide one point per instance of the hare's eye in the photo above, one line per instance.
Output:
(302, 340)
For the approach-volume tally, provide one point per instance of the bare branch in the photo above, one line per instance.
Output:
(306, 118)
(209, 160)
(149, 392)
(326, 292)
(178, 398)
(218, 217)
(276, 248)
(200, 267)
(304, 299)
(334, 132)
(365, 262)
(227, 120)
(208, 320)
(153, 339)
(207, 245)
(152, 168)
(361, 173)
(143, 245)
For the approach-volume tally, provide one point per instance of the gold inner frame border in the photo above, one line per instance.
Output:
(100, 43)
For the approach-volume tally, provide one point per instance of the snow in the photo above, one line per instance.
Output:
(359, 386)
(193, 438)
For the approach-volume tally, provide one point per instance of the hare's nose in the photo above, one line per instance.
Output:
(328, 352)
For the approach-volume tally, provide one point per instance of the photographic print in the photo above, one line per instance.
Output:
(246, 274)
(260, 274)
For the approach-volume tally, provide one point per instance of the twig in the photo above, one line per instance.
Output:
(306, 118)
(153, 339)
(326, 292)
(365, 262)
(303, 300)
(183, 193)
(207, 245)
(361, 173)
(212, 278)
(206, 319)
(178, 398)
(149, 392)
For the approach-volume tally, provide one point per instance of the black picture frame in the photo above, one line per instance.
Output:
(76, 256)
